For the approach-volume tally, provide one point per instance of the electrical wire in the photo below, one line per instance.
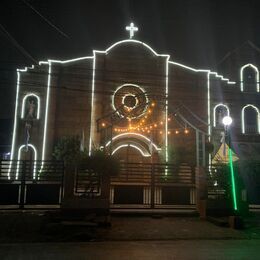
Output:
(16, 44)
(46, 20)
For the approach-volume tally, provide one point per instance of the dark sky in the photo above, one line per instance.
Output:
(194, 32)
(197, 33)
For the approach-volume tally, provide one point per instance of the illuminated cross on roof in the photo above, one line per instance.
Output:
(132, 29)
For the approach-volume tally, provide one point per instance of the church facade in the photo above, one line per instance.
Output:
(135, 103)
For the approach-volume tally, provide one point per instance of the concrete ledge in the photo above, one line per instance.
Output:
(83, 203)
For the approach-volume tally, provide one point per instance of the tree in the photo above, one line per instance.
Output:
(102, 163)
(68, 149)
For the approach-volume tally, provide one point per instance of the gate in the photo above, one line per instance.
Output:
(30, 184)
(153, 185)
(39, 184)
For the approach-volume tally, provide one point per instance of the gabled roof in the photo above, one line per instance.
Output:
(244, 45)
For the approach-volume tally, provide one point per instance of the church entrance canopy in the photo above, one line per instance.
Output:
(133, 143)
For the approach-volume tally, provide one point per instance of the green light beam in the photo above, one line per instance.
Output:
(232, 179)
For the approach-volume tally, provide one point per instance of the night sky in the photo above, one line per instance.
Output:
(196, 33)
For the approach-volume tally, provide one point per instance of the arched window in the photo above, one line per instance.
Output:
(30, 106)
(27, 152)
(219, 112)
(249, 77)
(250, 120)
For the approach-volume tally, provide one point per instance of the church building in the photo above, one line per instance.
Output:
(136, 104)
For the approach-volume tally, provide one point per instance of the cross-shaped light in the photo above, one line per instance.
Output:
(132, 29)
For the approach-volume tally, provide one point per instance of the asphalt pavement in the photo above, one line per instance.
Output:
(32, 236)
(181, 249)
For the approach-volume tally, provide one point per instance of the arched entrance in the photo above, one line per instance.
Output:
(133, 148)
(137, 153)
(142, 180)
(130, 153)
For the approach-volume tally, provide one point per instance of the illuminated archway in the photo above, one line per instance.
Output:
(142, 151)
(24, 102)
(141, 137)
(215, 109)
(19, 157)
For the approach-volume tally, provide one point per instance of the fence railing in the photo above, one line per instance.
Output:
(31, 170)
(27, 183)
(251, 129)
(87, 182)
(158, 173)
(217, 181)
(153, 185)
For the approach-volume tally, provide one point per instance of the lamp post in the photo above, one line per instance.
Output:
(227, 121)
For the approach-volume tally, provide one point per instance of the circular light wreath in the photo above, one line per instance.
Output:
(130, 101)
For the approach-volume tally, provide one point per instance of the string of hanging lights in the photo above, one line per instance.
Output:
(145, 126)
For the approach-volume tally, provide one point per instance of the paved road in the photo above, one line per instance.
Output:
(179, 249)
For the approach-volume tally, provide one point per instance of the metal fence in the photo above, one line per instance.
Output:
(30, 184)
(87, 182)
(153, 185)
(39, 184)
(217, 182)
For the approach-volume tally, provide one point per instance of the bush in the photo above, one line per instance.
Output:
(68, 150)
(102, 163)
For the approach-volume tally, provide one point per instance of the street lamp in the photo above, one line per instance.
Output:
(227, 121)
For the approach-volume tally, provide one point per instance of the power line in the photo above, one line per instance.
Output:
(46, 20)
(83, 78)
(183, 94)
(16, 44)
(86, 88)
(85, 73)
